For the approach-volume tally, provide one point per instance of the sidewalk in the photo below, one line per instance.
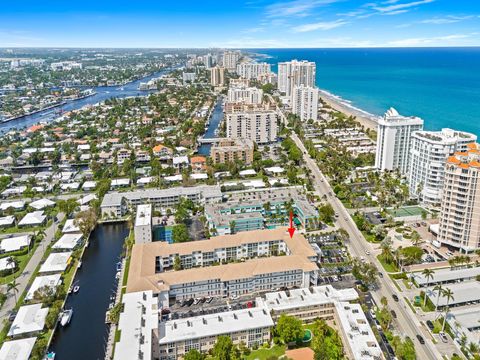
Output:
(23, 279)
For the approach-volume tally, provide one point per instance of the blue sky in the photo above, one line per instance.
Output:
(240, 23)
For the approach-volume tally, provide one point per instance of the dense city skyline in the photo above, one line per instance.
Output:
(245, 24)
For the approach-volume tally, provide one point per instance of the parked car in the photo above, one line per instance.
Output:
(394, 314)
(430, 325)
(420, 339)
(395, 297)
(209, 299)
(443, 337)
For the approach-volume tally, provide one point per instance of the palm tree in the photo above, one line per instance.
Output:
(447, 293)
(428, 273)
(13, 286)
(12, 263)
(440, 291)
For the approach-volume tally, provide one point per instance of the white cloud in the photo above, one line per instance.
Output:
(326, 25)
(392, 7)
(298, 8)
(425, 41)
(446, 20)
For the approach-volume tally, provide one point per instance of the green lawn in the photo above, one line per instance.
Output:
(263, 354)
(389, 267)
(22, 261)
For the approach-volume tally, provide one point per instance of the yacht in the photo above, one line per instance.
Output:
(66, 317)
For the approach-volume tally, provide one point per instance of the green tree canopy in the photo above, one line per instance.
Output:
(289, 328)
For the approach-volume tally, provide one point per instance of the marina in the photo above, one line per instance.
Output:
(86, 333)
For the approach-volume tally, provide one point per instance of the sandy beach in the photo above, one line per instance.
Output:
(367, 120)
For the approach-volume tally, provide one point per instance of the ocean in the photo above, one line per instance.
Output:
(440, 85)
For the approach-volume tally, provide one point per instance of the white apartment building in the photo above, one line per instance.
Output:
(177, 337)
(428, 156)
(259, 125)
(208, 61)
(115, 204)
(217, 76)
(295, 73)
(253, 70)
(305, 102)
(230, 60)
(247, 95)
(460, 208)
(157, 338)
(143, 224)
(394, 140)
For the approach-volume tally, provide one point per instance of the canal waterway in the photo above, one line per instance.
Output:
(215, 120)
(102, 93)
(85, 336)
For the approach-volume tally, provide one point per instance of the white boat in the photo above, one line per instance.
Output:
(76, 289)
(66, 317)
(50, 356)
(70, 289)
(79, 265)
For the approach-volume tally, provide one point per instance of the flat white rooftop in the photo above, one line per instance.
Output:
(214, 324)
(467, 291)
(56, 262)
(41, 204)
(468, 317)
(358, 332)
(51, 281)
(297, 298)
(144, 215)
(133, 328)
(17, 349)
(12, 204)
(7, 220)
(33, 218)
(70, 226)
(445, 275)
(30, 318)
(68, 241)
(15, 243)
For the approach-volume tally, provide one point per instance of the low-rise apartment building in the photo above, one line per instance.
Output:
(230, 150)
(115, 204)
(255, 209)
(230, 265)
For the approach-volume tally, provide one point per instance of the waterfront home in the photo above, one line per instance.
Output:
(41, 204)
(117, 183)
(89, 185)
(14, 191)
(6, 264)
(30, 320)
(16, 205)
(70, 227)
(68, 242)
(7, 221)
(73, 186)
(15, 243)
(198, 163)
(17, 349)
(35, 218)
(56, 262)
(87, 199)
(180, 162)
(40, 282)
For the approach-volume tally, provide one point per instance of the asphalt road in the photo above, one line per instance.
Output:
(406, 321)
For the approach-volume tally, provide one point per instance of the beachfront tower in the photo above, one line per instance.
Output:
(460, 212)
(428, 155)
(394, 140)
(295, 73)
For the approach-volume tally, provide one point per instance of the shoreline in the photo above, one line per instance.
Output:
(369, 121)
